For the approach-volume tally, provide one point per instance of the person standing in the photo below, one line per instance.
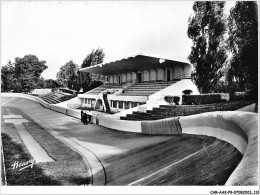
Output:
(85, 119)
(81, 116)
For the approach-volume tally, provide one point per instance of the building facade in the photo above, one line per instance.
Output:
(132, 81)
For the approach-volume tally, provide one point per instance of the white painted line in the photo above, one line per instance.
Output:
(12, 116)
(163, 169)
(7, 101)
(16, 121)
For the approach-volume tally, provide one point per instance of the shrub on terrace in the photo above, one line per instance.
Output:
(205, 98)
(247, 95)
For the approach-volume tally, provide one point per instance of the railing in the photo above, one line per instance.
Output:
(183, 76)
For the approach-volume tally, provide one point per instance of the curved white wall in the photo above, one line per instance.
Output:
(160, 74)
(177, 72)
(123, 78)
(173, 90)
(115, 79)
(152, 75)
(145, 75)
(111, 79)
(133, 76)
(187, 69)
(34, 98)
(239, 129)
(129, 76)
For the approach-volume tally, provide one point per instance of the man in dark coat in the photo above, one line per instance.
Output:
(81, 116)
(85, 119)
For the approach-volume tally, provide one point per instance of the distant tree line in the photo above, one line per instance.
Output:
(225, 48)
(69, 75)
(24, 74)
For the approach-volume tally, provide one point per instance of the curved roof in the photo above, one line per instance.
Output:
(134, 63)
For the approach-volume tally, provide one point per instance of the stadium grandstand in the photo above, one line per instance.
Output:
(137, 80)
(56, 96)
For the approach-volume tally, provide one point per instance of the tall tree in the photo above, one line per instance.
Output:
(243, 44)
(206, 29)
(86, 79)
(67, 76)
(27, 72)
(41, 83)
(50, 83)
(7, 77)
(95, 57)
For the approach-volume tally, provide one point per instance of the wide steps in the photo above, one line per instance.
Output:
(142, 117)
(142, 113)
(54, 97)
(145, 89)
(101, 88)
(136, 94)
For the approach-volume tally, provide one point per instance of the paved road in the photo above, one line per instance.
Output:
(121, 158)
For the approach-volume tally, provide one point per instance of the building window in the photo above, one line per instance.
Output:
(127, 105)
(89, 101)
(119, 79)
(86, 100)
(120, 104)
(114, 104)
(134, 104)
(187, 92)
(168, 74)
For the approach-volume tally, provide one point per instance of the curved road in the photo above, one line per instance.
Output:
(121, 158)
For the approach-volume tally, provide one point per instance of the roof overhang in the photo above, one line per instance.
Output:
(135, 63)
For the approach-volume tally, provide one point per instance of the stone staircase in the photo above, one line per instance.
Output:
(101, 88)
(145, 89)
(55, 97)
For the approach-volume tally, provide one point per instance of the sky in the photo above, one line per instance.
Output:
(60, 31)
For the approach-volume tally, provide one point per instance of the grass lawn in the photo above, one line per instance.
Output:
(68, 167)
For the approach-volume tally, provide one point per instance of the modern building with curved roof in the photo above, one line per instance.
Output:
(138, 80)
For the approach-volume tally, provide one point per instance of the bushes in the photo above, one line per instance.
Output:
(172, 99)
(248, 95)
(205, 98)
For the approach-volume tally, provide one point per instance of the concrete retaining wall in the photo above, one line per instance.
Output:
(31, 97)
(167, 126)
(213, 124)
(238, 128)
(58, 109)
(73, 113)
(117, 124)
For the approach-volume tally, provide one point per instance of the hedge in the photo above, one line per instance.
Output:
(166, 111)
(248, 95)
(205, 98)
(172, 99)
